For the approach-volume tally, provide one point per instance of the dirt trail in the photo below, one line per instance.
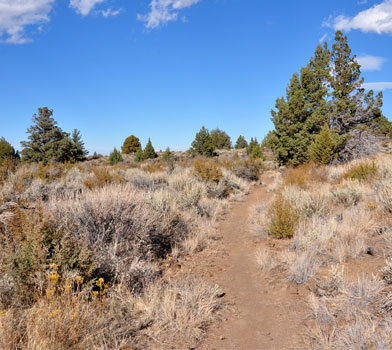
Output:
(267, 309)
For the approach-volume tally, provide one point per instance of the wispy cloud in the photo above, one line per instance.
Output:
(111, 13)
(376, 19)
(378, 86)
(16, 15)
(322, 39)
(164, 11)
(369, 62)
(84, 7)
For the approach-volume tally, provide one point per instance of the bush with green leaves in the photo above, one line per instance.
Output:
(241, 143)
(131, 145)
(139, 156)
(220, 139)
(322, 150)
(254, 149)
(7, 152)
(203, 144)
(115, 157)
(168, 155)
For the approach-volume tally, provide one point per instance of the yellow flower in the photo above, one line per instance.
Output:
(2, 313)
(100, 282)
(359, 298)
(333, 305)
(95, 293)
(54, 277)
(54, 266)
(74, 315)
(67, 288)
(50, 292)
(79, 279)
(55, 313)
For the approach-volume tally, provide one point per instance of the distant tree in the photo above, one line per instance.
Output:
(115, 157)
(131, 145)
(167, 156)
(323, 148)
(7, 152)
(254, 149)
(220, 139)
(78, 152)
(46, 140)
(149, 151)
(241, 143)
(203, 144)
(139, 156)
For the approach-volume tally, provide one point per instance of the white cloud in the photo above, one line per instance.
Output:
(376, 19)
(322, 39)
(379, 86)
(369, 62)
(16, 15)
(110, 12)
(164, 11)
(84, 7)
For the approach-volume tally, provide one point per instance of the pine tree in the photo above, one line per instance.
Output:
(350, 105)
(254, 149)
(220, 139)
(46, 140)
(203, 144)
(131, 145)
(115, 157)
(323, 148)
(139, 156)
(241, 143)
(167, 156)
(78, 152)
(149, 151)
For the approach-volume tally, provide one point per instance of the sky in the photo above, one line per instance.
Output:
(161, 69)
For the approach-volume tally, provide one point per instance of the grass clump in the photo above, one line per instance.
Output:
(363, 171)
(283, 219)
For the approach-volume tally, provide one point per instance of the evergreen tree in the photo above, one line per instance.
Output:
(323, 148)
(300, 116)
(220, 139)
(203, 144)
(7, 152)
(46, 140)
(254, 149)
(78, 152)
(350, 105)
(115, 157)
(139, 156)
(149, 151)
(131, 145)
(167, 156)
(241, 143)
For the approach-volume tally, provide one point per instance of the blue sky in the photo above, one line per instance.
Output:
(164, 68)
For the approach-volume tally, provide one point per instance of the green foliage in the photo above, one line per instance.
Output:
(149, 151)
(220, 139)
(323, 148)
(48, 142)
(167, 156)
(7, 152)
(139, 157)
(241, 143)
(283, 219)
(202, 144)
(115, 157)
(131, 145)
(254, 149)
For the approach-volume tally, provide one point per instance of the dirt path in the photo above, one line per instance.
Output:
(266, 311)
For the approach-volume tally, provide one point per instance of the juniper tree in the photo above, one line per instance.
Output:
(220, 139)
(78, 151)
(203, 144)
(115, 157)
(149, 151)
(131, 145)
(322, 150)
(167, 156)
(241, 143)
(139, 156)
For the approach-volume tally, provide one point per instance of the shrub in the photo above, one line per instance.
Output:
(167, 156)
(206, 170)
(323, 148)
(115, 157)
(283, 219)
(363, 171)
(139, 157)
(7, 152)
(248, 169)
(131, 145)
(301, 267)
(348, 195)
(220, 139)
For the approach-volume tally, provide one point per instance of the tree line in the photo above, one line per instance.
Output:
(48, 142)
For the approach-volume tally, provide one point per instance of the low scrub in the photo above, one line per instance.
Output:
(283, 219)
